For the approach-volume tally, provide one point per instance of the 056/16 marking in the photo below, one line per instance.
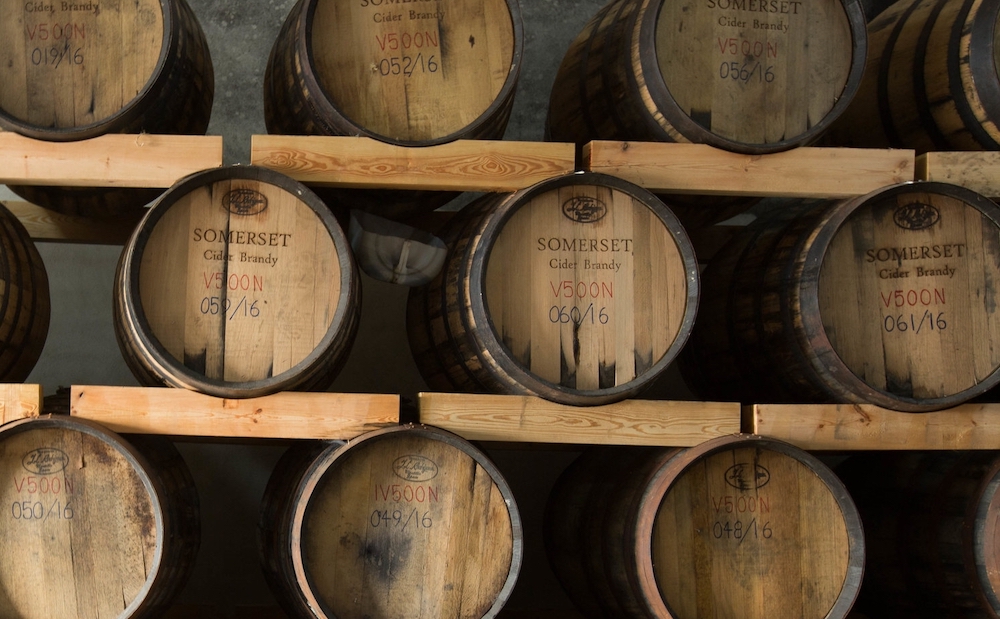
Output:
(744, 73)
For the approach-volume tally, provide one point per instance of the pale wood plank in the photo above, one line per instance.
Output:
(19, 401)
(43, 224)
(530, 419)
(113, 160)
(866, 427)
(975, 170)
(289, 415)
(701, 169)
(462, 165)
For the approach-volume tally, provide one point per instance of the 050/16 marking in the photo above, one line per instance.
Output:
(35, 510)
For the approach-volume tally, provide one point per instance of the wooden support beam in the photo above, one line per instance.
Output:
(44, 224)
(842, 427)
(288, 415)
(507, 418)
(19, 401)
(114, 160)
(978, 170)
(463, 165)
(806, 172)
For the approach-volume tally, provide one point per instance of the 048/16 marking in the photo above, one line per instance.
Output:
(737, 530)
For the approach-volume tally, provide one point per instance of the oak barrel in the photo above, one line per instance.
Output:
(931, 523)
(931, 81)
(411, 74)
(580, 289)
(94, 525)
(751, 76)
(238, 282)
(885, 299)
(24, 300)
(740, 526)
(80, 69)
(407, 522)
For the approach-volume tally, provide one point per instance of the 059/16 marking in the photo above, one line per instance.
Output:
(217, 305)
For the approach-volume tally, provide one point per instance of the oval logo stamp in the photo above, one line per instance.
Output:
(747, 476)
(916, 216)
(584, 209)
(244, 202)
(45, 460)
(415, 468)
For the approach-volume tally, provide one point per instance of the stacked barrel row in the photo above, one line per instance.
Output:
(582, 289)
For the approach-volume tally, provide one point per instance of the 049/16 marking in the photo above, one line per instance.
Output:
(400, 519)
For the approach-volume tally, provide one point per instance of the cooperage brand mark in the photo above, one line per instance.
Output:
(584, 209)
(746, 476)
(45, 460)
(415, 468)
(244, 202)
(916, 216)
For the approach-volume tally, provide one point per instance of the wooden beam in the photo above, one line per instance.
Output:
(44, 224)
(463, 165)
(114, 160)
(179, 412)
(19, 401)
(507, 418)
(842, 427)
(799, 173)
(978, 171)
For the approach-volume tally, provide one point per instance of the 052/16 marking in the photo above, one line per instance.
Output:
(407, 65)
